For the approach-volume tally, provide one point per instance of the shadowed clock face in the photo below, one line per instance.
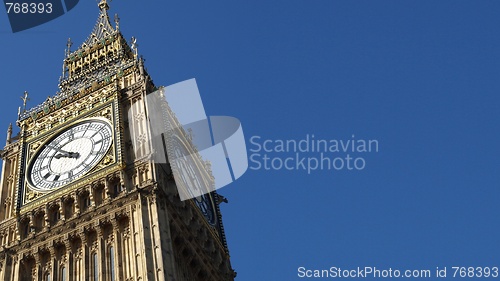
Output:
(191, 180)
(69, 155)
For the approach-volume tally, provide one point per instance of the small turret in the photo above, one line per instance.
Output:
(141, 66)
(9, 134)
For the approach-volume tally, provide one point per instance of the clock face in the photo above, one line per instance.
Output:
(204, 202)
(70, 154)
(190, 179)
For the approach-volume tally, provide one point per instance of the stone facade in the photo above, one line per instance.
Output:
(123, 220)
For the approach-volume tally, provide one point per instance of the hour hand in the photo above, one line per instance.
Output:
(62, 155)
(69, 155)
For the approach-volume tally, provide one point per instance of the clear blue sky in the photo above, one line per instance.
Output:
(421, 77)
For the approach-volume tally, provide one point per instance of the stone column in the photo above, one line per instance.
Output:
(67, 259)
(16, 268)
(100, 251)
(127, 254)
(46, 217)
(52, 265)
(84, 275)
(35, 271)
(115, 240)
(107, 190)
(61, 204)
(122, 181)
(77, 203)
(92, 203)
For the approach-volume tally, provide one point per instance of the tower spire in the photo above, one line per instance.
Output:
(102, 28)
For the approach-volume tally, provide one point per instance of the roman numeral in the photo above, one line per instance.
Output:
(46, 176)
(71, 135)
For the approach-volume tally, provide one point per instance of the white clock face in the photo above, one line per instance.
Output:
(70, 154)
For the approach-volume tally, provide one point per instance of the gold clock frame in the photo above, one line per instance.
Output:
(107, 112)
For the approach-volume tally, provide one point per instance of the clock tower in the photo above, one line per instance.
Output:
(82, 199)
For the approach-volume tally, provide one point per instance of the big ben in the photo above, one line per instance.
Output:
(81, 198)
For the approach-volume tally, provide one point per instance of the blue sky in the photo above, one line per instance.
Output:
(421, 77)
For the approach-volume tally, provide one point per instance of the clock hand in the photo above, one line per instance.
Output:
(64, 155)
(59, 150)
(64, 152)
(69, 155)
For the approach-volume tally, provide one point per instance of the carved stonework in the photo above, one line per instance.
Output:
(32, 195)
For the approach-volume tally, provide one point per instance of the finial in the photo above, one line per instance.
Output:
(68, 45)
(117, 22)
(134, 44)
(18, 113)
(25, 100)
(103, 5)
(141, 65)
(9, 133)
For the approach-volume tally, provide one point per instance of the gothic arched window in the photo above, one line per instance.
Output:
(112, 263)
(95, 262)
(63, 273)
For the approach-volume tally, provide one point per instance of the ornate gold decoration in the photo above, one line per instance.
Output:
(32, 195)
